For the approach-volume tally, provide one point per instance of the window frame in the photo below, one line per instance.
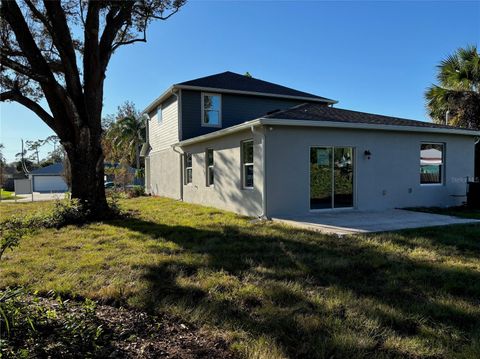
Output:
(187, 168)
(442, 165)
(245, 164)
(209, 168)
(203, 94)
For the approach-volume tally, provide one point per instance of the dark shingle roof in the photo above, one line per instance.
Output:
(236, 82)
(318, 112)
(55, 169)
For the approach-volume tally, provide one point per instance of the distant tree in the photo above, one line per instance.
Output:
(247, 74)
(125, 135)
(57, 154)
(458, 93)
(27, 164)
(34, 148)
(2, 158)
(60, 51)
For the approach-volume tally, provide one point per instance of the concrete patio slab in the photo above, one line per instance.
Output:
(349, 222)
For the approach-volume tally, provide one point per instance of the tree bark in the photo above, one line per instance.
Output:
(87, 171)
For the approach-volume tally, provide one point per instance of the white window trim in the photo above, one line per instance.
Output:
(208, 167)
(442, 166)
(244, 164)
(185, 169)
(219, 112)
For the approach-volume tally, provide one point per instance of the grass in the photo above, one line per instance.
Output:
(272, 290)
(8, 195)
(461, 211)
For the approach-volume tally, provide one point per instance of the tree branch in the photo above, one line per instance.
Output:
(113, 24)
(21, 69)
(62, 39)
(16, 95)
(14, 17)
(128, 42)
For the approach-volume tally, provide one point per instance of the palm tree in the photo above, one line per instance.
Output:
(456, 99)
(457, 96)
(128, 135)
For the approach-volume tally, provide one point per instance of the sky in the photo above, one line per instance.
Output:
(376, 56)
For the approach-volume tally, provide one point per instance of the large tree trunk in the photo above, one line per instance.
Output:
(87, 172)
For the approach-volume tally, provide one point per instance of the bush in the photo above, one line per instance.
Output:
(137, 191)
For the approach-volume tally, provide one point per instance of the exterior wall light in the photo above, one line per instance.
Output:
(367, 154)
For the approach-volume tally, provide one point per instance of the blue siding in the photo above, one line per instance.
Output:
(235, 110)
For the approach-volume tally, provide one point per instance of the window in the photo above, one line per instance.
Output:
(247, 164)
(210, 170)
(431, 163)
(159, 115)
(187, 163)
(211, 110)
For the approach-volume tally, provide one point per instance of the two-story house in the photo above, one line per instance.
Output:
(261, 149)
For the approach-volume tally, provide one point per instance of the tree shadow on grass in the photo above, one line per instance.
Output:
(291, 267)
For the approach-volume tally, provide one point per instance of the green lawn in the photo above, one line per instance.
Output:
(8, 195)
(463, 212)
(273, 291)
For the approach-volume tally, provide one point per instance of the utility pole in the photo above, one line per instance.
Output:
(24, 167)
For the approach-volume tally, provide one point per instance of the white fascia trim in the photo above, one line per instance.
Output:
(220, 90)
(158, 100)
(365, 126)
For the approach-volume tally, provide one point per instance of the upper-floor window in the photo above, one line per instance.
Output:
(211, 110)
(160, 114)
(431, 163)
(187, 168)
(247, 164)
(210, 167)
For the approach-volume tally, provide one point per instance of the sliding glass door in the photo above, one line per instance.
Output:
(331, 177)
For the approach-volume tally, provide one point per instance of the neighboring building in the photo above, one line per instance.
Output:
(261, 149)
(48, 179)
(9, 175)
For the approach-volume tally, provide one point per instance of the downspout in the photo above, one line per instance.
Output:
(180, 153)
(264, 171)
(174, 147)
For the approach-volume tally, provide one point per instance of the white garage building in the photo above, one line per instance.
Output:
(48, 179)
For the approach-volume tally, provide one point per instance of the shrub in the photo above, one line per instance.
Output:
(137, 191)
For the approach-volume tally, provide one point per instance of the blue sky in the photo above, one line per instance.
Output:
(371, 56)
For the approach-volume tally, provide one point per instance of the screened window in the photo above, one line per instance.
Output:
(160, 114)
(431, 163)
(247, 164)
(210, 167)
(187, 168)
(211, 110)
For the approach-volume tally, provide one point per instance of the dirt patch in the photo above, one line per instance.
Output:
(69, 330)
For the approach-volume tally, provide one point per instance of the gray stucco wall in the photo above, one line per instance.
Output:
(235, 109)
(382, 182)
(227, 192)
(163, 173)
